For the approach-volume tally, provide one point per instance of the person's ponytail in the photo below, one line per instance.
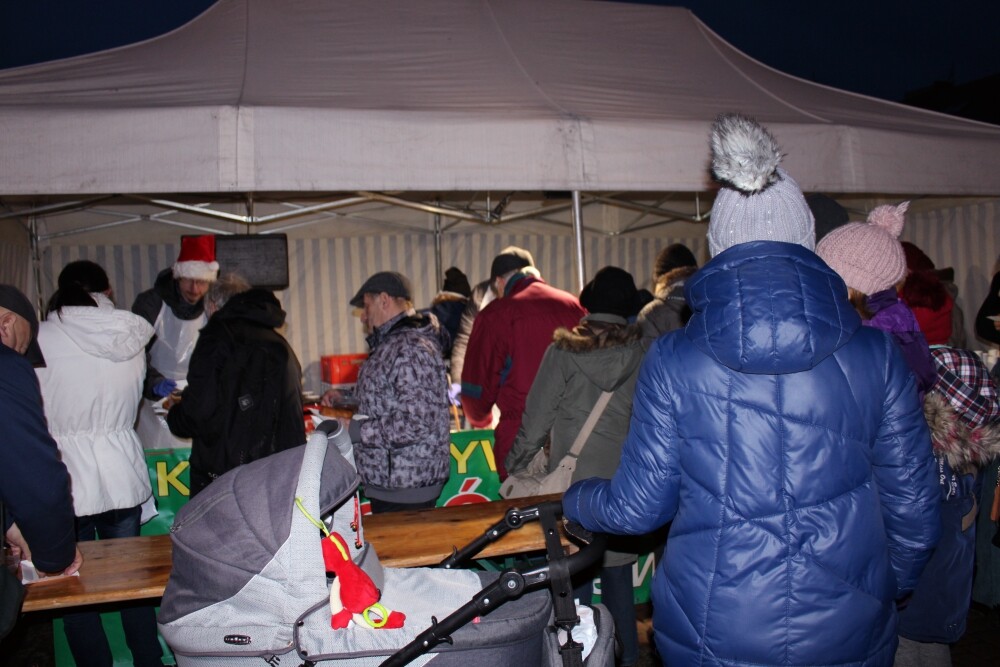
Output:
(77, 281)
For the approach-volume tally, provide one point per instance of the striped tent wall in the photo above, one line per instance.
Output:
(324, 273)
(966, 238)
(15, 263)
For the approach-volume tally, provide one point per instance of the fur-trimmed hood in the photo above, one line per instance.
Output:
(584, 339)
(607, 354)
(966, 448)
(444, 296)
(672, 280)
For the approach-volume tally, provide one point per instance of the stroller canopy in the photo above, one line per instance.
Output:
(234, 528)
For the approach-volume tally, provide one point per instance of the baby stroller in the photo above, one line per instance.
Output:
(249, 584)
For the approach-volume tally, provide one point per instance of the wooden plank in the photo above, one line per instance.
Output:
(128, 568)
(426, 537)
(137, 568)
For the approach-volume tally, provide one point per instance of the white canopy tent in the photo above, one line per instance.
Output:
(397, 121)
(442, 95)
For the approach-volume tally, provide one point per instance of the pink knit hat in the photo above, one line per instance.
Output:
(868, 255)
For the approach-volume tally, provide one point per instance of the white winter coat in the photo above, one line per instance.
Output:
(95, 364)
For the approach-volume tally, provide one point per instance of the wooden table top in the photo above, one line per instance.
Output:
(137, 568)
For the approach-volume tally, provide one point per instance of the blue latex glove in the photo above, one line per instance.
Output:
(164, 387)
(455, 394)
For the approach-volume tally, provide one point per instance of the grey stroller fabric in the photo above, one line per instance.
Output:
(233, 529)
(510, 636)
(249, 582)
(249, 586)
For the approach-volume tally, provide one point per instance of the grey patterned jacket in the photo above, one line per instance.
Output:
(403, 411)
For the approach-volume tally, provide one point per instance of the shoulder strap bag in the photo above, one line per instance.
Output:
(535, 480)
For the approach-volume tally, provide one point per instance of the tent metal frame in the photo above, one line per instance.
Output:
(445, 217)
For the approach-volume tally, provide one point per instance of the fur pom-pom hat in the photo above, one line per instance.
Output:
(868, 255)
(197, 259)
(758, 200)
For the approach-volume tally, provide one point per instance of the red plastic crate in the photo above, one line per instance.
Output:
(341, 369)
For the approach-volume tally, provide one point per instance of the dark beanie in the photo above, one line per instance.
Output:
(673, 257)
(456, 281)
(612, 291)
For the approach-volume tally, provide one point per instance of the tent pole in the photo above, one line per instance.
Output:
(578, 237)
(438, 279)
(250, 212)
(36, 262)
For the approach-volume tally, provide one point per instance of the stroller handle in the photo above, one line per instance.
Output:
(513, 519)
(512, 582)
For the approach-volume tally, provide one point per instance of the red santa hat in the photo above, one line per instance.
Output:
(197, 259)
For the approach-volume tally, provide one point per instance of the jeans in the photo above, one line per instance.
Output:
(84, 632)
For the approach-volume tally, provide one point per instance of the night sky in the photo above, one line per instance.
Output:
(883, 48)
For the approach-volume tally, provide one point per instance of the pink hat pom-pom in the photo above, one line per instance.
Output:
(889, 217)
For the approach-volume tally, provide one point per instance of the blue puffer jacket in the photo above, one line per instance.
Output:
(786, 443)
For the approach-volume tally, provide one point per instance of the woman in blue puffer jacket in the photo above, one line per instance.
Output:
(783, 439)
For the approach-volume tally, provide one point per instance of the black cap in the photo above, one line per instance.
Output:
(510, 259)
(390, 282)
(13, 300)
(612, 291)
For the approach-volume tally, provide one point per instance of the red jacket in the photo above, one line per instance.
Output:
(508, 340)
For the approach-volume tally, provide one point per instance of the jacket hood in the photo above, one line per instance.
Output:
(770, 308)
(425, 324)
(607, 357)
(256, 305)
(105, 332)
(672, 281)
(166, 288)
(966, 448)
(443, 297)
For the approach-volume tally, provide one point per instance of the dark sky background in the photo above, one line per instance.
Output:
(883, 48)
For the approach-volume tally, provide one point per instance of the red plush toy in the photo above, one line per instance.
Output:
(353, 595)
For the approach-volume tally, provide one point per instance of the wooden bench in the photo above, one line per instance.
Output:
(137, 568)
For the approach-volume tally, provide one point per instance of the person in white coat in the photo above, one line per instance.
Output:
(91, 386)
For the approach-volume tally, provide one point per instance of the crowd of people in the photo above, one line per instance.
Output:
(802, 413)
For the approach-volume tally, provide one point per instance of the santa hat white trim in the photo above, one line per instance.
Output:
(208, 271)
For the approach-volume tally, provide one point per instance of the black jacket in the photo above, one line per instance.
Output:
(244, 395)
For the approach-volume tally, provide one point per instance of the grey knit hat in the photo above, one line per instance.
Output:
(758, 200)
